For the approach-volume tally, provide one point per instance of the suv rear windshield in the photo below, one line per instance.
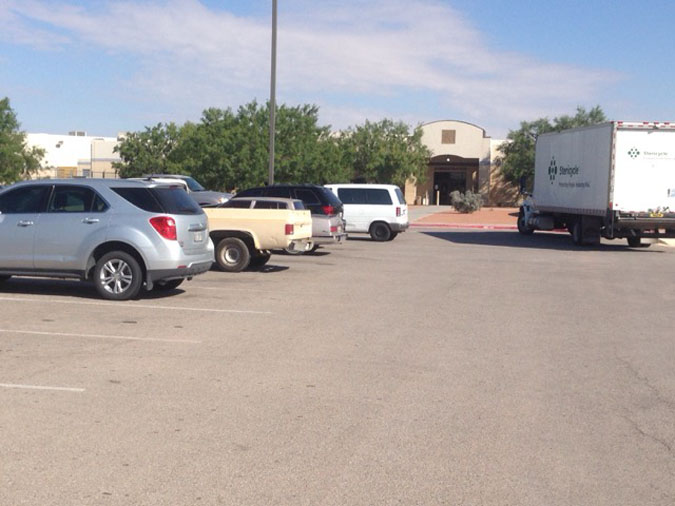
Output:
(160, 200)
(330, 197)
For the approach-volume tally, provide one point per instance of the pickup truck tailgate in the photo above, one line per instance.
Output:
(301, 222)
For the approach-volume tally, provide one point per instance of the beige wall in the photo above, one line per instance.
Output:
(500, 192)
(470, 142)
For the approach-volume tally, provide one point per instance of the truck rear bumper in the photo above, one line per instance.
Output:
(329, 239)
(300, 245)
(663, 225)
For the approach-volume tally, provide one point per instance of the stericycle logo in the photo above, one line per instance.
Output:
(552, 170)
(633, 153)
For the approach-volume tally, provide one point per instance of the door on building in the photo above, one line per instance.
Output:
(447, 182)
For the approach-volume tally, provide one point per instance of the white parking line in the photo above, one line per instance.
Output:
(258, 290)
(38, 387)
(144, 306)
(100, 336)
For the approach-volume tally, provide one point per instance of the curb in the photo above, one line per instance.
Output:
(464, 225)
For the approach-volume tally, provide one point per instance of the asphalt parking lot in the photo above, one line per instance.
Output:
(458, 367)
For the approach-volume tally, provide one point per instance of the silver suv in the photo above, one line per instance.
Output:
(123, 235)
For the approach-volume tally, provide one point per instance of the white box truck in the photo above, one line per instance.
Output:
(612, 180)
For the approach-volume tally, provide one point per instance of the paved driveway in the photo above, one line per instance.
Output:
(456, 367)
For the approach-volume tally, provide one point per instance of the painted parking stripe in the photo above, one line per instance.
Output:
(40, 387)
(100, 336)
(143, 306)
(257, 290)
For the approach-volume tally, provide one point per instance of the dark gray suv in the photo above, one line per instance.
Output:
(122, 235)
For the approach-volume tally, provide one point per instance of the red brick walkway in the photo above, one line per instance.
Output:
(495, 218)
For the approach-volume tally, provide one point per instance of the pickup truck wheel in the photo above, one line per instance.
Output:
(380, 231)
(117, 276)
(260, 260)
(392, 236)
(165, 286)
(232, 255)
(523, 228)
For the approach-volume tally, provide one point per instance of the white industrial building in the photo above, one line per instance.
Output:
(76, 154)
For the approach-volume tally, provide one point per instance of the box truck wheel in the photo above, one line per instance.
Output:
(523, 227)
(577, 233)
(635, 242)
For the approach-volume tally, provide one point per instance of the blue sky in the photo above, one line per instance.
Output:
(108, 66)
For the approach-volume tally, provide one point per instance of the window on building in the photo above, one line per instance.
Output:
(448, 136)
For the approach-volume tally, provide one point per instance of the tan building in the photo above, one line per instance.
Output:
(463, 158)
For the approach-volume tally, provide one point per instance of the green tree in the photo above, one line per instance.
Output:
(150, 151)
(517, 156)
(385, 152)
(228, 150)
(17, 160)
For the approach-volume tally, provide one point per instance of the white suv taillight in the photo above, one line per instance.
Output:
(290, 228)
(165, 226)
(398, 211)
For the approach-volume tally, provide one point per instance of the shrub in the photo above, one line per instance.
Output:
(466, 202)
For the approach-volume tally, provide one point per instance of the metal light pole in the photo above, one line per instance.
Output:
(273, 85)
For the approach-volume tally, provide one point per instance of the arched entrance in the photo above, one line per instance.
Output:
(452, 173)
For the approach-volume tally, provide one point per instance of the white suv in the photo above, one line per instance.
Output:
(376, 209)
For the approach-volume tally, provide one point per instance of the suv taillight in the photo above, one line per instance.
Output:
(165, 226)
(289, 229)
(328, 210)
(398, 211)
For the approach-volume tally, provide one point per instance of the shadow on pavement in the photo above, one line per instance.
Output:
(317, 253)
(17, 285)
(268, 269)
(357, 238)
(550, 241)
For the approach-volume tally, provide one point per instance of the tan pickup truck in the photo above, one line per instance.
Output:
(244, 236)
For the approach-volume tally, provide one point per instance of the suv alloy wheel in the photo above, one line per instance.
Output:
(117, 276)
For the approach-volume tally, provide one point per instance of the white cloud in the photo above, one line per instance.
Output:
(197, 57)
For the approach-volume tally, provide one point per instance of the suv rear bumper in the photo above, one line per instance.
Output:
(178, 273)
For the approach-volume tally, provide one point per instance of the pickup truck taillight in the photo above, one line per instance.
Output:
(333, 229)
(328, 210)
(165, 226)
(398, 211)
(290, 228)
